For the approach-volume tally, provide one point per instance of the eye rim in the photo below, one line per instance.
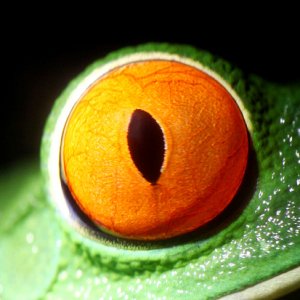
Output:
(51, 166)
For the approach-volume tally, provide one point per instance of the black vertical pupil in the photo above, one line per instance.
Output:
(146, 144)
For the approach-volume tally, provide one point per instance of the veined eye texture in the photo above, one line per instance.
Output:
(114, 159)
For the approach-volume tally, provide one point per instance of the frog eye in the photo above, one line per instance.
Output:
(153, 148)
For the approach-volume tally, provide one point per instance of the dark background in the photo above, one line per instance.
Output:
(38, 63)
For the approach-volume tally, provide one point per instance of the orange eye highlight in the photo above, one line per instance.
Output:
(154, 149)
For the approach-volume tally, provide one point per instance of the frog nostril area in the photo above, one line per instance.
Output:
(146, 144)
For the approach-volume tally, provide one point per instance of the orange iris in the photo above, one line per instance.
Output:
(205, 150)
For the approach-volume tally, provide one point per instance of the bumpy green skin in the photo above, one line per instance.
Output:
(42, 257)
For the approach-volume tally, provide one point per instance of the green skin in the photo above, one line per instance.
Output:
(43, 257)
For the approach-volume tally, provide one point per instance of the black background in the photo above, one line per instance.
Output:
(43, 51)
(39, 60)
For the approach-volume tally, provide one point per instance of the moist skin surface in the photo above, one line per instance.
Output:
(257, 238)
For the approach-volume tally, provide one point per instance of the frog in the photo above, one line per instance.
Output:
(50, 249)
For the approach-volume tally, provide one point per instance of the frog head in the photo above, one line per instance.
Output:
(56, 244)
